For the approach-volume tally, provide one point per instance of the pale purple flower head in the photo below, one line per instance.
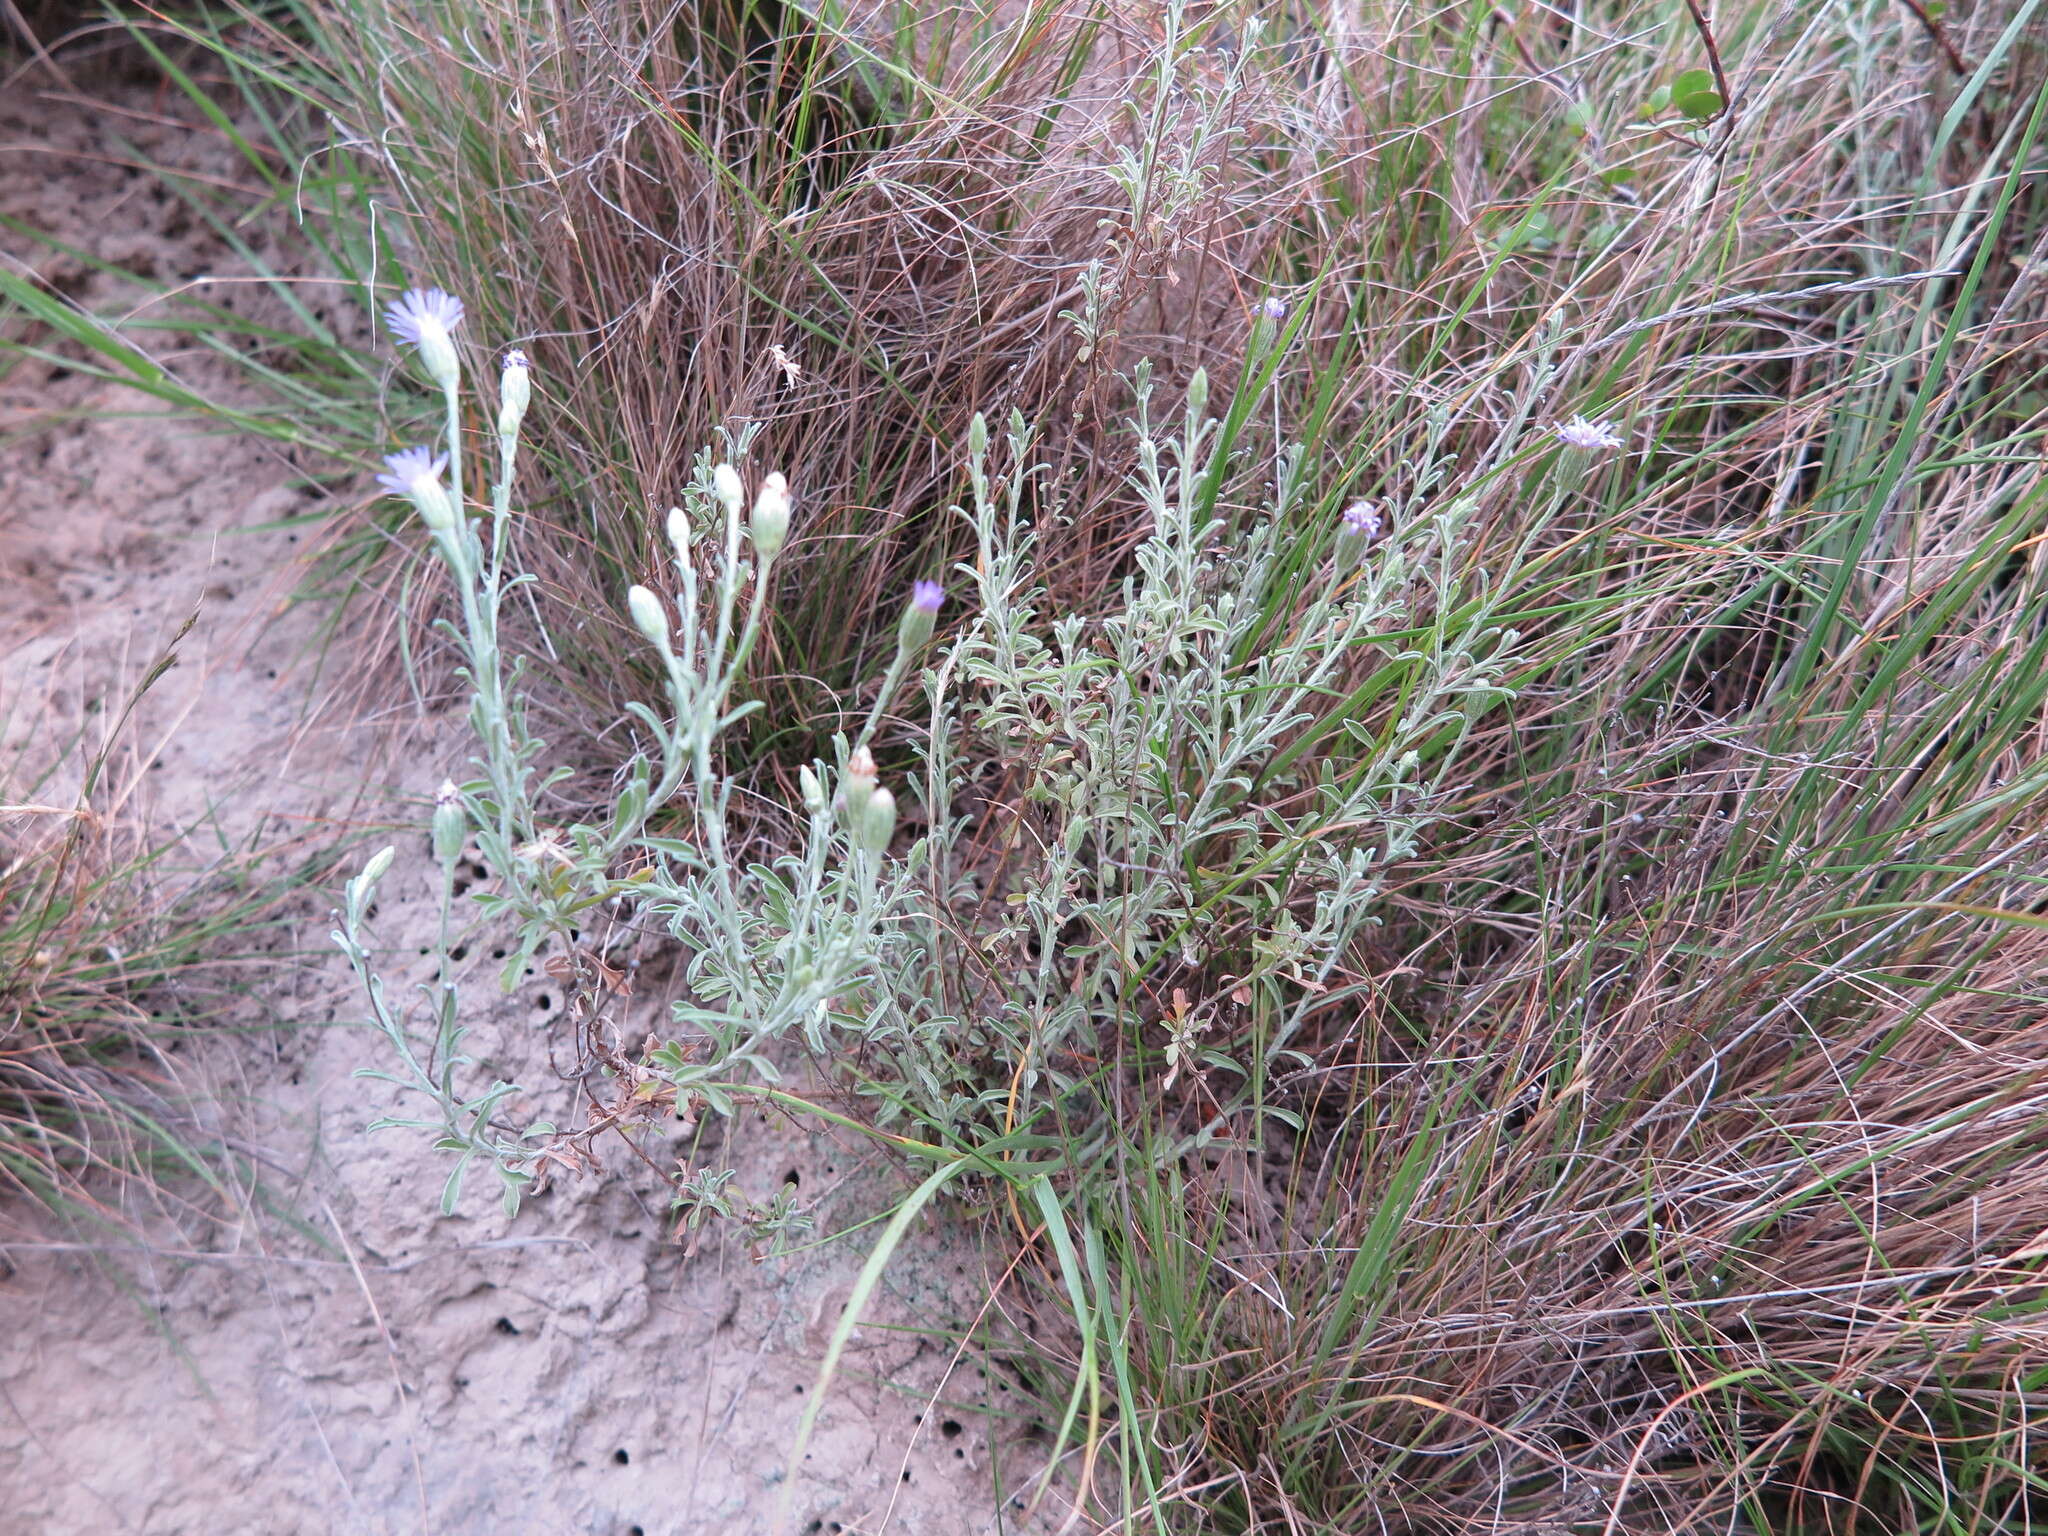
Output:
(1273, 307)
(1587, 436)
(410, 468)
(1364, 520)
(422, 313)
(926, 596)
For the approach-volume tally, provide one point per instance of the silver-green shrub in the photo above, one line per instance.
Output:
(1222, 764)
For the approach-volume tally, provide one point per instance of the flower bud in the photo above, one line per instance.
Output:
(515, 389)
(358, 892)
(451, 826)
(726, 486)
(770, 525)
(919, 615)
(649, 617)
(861, 765)
(877, 822)
(858, 787)
(977, 435)
(813, 791)
(679, 533)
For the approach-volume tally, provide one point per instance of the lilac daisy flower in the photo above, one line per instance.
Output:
(424, 317)
(926, 596)
(422, 312)
(1364, 520)
(415, 473)
(1587, 436)
(411, 468)
(1273, 307)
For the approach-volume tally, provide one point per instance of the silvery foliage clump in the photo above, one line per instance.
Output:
(769, 945)
(1182, 804)
(1184, 797)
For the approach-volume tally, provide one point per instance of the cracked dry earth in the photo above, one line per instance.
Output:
(324, 1353)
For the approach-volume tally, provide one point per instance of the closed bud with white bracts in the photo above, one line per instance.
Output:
(515, 389)
(649, 617)
(877, 822)
(769, 527)
(726, 486)
(451, 826)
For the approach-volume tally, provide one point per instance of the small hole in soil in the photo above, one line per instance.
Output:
(497, 954)
(791, 1179)
(949, 1428)
(544, 1002)
(799, 1389)
(634, 1530)
(620, 1456)
(506, 1326)
(906, 1474)
(459, 952)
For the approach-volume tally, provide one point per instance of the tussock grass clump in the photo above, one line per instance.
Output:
(844, 234)
(111, 949)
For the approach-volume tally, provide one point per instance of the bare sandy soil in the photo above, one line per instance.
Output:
(327, 1354)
